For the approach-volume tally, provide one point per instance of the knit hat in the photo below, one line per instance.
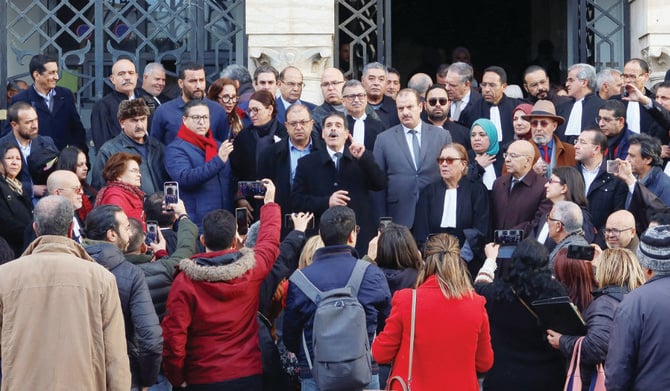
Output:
(654, 249)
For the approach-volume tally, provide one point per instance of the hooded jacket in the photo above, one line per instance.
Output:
(210, 326)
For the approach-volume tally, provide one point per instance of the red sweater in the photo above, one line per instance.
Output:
(451, 341)
(132, 203)
(210, 330)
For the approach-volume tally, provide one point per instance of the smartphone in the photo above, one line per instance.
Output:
(612, 167)
(384, 222)
(624, 91)
(152, 232)
(507, 237)
(241, 220)
(288, 222)
(251, 188)
(580, 252)
(171, 191)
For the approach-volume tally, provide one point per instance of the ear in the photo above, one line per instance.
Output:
(351, 240)
(202, 240)
(180, 82)
(35, 229)
(70, 230)
(143, 248)
(111, 235)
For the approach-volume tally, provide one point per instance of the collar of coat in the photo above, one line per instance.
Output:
(224, 267)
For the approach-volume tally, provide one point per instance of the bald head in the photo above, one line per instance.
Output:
(65, 183)
(519, 160)
(620, 229)
(124, 76)
(53, 216)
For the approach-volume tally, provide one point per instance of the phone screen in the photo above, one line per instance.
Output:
(241, 219)
(171, 191)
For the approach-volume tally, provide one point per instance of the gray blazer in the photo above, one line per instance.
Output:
(405, 182)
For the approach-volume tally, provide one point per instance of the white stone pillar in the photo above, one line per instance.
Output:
(292, 32)
(650, 35)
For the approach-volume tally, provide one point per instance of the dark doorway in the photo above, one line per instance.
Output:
(503, 33)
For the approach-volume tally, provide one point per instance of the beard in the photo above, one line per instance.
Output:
(437, 117)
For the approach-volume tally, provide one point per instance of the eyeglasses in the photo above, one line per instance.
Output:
(198, 118)
(606, 119)
(292, 84)
(75, 189)
(556, 181)
(582, 142)
(549, 218)
(615, 231)
(134, 171)
(448, 160)
(352, 97)
(542, 122)
(513, 155)
(327, 84)
(357, 229)
(294, 124)
(254, 110)
(434, 101)
(629, 76)
(228, 98)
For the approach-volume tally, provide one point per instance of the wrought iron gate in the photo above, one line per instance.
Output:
(599, 32)
(365, 26)
(88, 36)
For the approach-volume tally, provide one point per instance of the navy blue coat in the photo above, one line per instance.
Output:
(331, 269)
(168, 119)
(204, 186)
(281, 111)
(63, 124)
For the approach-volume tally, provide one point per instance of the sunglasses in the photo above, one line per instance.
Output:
(448, 160)
(543, 122)
(433, 101)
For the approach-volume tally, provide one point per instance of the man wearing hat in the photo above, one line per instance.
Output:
(133, 118)
(639, 354)
(552, 151)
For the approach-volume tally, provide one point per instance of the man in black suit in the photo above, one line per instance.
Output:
(466, 103)
(636, 73)
(56, 111)
(364, 128)
(336, 175)
(580, 113)
(497, 106)
(538, 86)
(436, 107)
(280, 161)
(374, 81)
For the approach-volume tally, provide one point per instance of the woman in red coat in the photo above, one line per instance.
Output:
(122, 173)
(451, 341)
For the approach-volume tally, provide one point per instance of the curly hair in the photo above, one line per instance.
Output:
(117, 164)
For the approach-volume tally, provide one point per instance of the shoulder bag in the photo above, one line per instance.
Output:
(407, 386)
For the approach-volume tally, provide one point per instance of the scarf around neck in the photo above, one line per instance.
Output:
(206, 143)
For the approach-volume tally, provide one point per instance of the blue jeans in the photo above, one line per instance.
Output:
(309, 384)
(162, 384)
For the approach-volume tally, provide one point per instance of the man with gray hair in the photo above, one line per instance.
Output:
(565, 227)
(466, 102)
(374, 81)
(638, 355)
(581, 112)
(420, 82)
(608, 83)
(242, 78)
(363, 128)
(153, 84)
(88, 348)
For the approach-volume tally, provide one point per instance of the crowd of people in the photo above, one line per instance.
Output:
(420, 182)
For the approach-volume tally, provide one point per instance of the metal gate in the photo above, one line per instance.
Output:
(363, 34)
(599, 32)
(87, 36)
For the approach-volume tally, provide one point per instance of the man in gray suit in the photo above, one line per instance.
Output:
(407, 154)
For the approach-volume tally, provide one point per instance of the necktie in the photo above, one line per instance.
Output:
(494, 113)
(359, 131)
(574, 126)
(415, 148)
(456, 110)
(633, 116)
(545, 154)
(514, 182)
(338, 157)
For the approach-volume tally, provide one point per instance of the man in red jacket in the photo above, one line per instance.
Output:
(210, 327)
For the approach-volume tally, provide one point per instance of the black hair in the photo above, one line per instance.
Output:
(218, 229)
(336, 224)
(37, 63)
(100, 219)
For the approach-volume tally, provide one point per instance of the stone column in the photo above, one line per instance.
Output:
(650, 35)
(292, 32)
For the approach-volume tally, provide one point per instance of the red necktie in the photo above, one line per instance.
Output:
(547, 158)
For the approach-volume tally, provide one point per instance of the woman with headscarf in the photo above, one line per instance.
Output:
(485, 156)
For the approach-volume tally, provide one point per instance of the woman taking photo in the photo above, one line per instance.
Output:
(73, 159)
(123, 177)
(16, 207)
(455, 204)
(224, 91)
(618, 273)
(566, 184)
(485, 155)
(451, 339)
(523, 360)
